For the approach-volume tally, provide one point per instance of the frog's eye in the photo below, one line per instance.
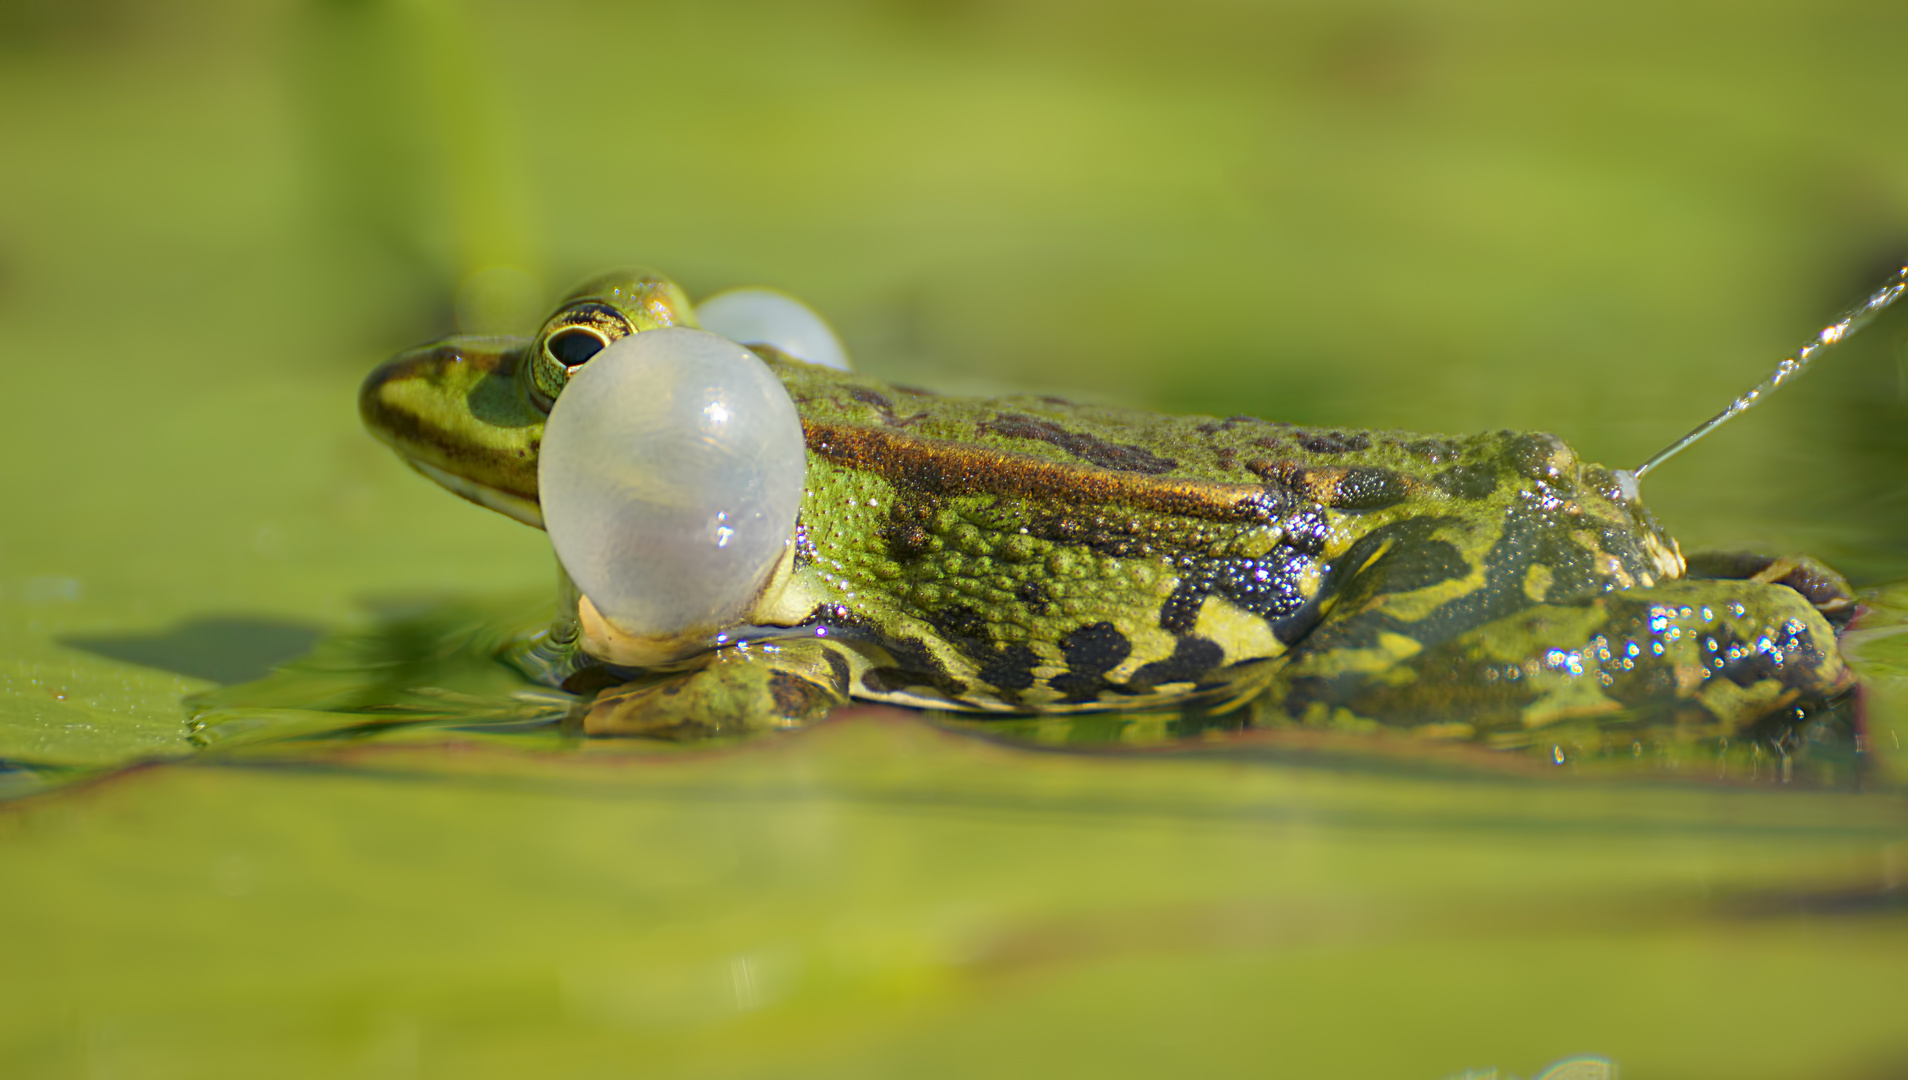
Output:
(757, 316)
(568, 341)
(670, 476)
(574, 346)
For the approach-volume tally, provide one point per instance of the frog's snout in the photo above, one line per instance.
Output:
(454, 412)
(381, 397)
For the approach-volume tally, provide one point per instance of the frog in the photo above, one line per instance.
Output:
(1028, 555)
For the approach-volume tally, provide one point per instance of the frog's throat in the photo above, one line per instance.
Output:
(603, 639)
(510, 505)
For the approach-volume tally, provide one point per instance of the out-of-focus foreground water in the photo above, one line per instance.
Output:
(214, 218)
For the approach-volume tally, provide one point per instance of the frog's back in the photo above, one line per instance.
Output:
(1028, 553)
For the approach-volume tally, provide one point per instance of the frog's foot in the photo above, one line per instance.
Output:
(1826, 590)
(740, 692)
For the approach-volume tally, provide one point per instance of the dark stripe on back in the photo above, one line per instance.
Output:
(944, 467)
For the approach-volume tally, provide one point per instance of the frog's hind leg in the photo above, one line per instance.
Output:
(742, 691)
(1828, 591)
(1684, 659)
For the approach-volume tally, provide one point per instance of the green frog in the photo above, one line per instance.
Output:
(1025, 554)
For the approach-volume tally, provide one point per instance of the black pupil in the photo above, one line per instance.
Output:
(573, 347)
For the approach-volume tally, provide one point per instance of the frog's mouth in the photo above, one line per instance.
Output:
(455, 412)
(506, 503)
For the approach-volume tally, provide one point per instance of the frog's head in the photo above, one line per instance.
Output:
(468, 412)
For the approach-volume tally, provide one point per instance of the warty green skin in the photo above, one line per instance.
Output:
(1025, 554)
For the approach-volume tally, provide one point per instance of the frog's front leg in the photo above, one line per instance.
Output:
(1707, 656)
(765, 686)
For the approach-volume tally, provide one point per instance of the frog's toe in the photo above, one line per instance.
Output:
(1827, 591)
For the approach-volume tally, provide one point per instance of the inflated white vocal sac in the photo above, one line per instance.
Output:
(757, 316)
(670, 477)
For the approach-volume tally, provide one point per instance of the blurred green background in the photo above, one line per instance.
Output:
(1604, 221)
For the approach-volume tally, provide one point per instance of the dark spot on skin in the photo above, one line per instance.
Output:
(795, 696)
(1181, 609)
(1422, 566)
(872, 397)
(911, 542)
(1539, 456)
(1096, 647)
(959, 621)
(1192, 657)
(1398, 558)
(1089, 448)
(1334, 442)
(1010, 669)
(909, 533)
(1467, 481)
(837, 670)
(1033, 594)
(1365, 488)
(1091, 651)
(1285, 475)
(1230, 422)
(1226, 457)
(881, 404)
(1006, 668)
(1307, 531)
(1750, 669)
(915, 665)
(1739, 661)
(1355, 488)
(1269, 587)
(1120, 538)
